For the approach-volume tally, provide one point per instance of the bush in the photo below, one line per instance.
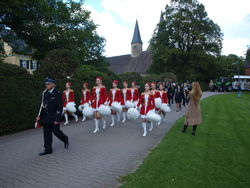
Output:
(204, 86)
(19, 104)
(59, 64)
(168, 76)
(7, 70)
(152, 78)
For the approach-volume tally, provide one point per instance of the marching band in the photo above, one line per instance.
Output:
(149, 105)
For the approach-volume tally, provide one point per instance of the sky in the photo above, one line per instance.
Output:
(116, 21)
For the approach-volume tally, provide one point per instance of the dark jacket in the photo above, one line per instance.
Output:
(52, 107)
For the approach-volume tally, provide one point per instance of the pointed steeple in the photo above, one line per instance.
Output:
(137, 35)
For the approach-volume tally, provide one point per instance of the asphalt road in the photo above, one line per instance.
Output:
(92, 160)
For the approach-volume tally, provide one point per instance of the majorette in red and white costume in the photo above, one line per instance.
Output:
(67, 97)
(98, 97)
(125, 96)
(135, 95)
(85, 100)
(155, 92)
(164, 100)
(114, 96)
(147, 103)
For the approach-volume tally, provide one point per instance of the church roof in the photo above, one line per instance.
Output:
(136, 36)
(126, 63)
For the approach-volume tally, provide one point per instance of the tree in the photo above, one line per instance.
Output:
(231, 65)
(248, 56)
(60, 63)
(186, 42)
(46, 25)
(186, 26)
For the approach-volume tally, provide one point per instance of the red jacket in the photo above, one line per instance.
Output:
(135, 96)
(150, 105)
(71, 97)
(156, 93)
(102, 97)
(164, 96)
(117, 97)
(85, 96)
(128, 96)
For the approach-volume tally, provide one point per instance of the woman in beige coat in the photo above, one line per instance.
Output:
(193, 114)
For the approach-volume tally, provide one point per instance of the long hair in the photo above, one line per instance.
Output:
(196, 92)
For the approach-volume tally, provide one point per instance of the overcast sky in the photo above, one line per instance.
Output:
(116, 20)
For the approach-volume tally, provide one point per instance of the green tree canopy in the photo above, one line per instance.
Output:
(186, 42)
(60, 63)
(46, 25)
(185, 25)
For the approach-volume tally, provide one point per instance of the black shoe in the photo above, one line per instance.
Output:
(193, 133)
(66, 145)
(45, 153)
(184, 131)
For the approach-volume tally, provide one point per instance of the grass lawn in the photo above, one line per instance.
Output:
(217, 157)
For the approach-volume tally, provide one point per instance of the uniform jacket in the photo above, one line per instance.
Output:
(136, 94)
(71, 97)
(164, 97)
(102, 97)
(85, 97)
(128, 96)
(150, 105)
(156, 93)
(117, 97)
(52, 107)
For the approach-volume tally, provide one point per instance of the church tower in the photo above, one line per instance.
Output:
(136, 44)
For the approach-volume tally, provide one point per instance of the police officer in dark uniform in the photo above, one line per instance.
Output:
(50, 116)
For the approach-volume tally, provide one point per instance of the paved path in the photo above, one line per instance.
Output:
(92, 160)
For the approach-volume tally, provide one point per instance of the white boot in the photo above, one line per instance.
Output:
(75, 116)
(113, 120)
(144, 126)
(151, 126)
(66, 119)
(104, 124)
(96, 126)
(83, 118)
(124, 116)
(118, 117)
(159, 122)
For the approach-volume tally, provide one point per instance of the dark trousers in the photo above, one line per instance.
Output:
(183, 100)
(48, 129)
(171, 99)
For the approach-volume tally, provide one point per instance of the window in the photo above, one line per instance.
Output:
(33, 65)
(23, 63)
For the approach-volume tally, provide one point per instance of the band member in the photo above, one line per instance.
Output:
(98, 97)
(154, 91)
(85, 97)
(68, 96)
(114, 96)
(178, 97)
(125, 96)
(147, 102)
(171, 91)
(164, 99)
(156, 94)
(134, 93)
(50, 116)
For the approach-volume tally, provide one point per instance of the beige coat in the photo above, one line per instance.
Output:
(193, 114)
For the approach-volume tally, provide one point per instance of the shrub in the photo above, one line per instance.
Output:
(168, 76)
(59, 64)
